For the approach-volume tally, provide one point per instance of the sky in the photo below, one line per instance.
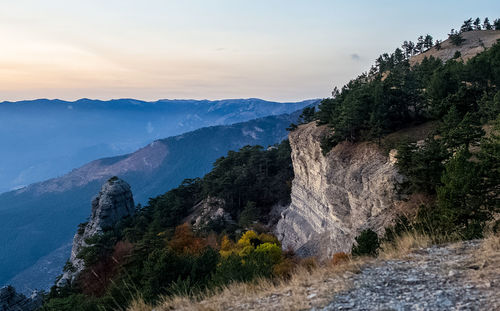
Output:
(284, 50)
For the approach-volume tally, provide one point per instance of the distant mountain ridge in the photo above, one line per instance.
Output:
(42, 217)
(46, 138)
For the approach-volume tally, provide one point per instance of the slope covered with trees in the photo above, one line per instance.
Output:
(457, 165)
(153, 253)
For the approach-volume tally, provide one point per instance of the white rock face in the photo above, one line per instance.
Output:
(335, 197)
(208, 211)
(114, 202)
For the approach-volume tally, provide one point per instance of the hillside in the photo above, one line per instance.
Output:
(474, 43)
(445, 277)
(42, 216)
(396, 160)
(71, 134)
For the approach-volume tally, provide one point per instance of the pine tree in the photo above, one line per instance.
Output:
(456, 37)
(411, 48)
(477, 24)
(489, 159)
(405, 47)
(420, 44)
(428, 42)
(438, 45)
(461, 131)
(248, 215)
(496, 24)
(459, 199)
(486, 24)
(466, 26)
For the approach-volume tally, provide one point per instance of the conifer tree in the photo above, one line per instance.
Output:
(456, 37)
(496, 24)
(477, 24)
(438, 45)
(428, 42)
(486, 24)
(420, 44)
(467, 26)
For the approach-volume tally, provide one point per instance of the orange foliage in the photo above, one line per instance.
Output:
(184, 240)
(339, 258)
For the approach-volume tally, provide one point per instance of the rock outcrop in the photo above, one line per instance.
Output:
(10, 300)
(114, 202)
(335, 197)
(209, 211)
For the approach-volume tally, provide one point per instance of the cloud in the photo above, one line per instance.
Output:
(355, 57)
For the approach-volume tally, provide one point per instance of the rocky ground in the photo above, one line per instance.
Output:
(461, 276)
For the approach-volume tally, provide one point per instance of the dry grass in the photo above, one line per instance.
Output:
(474, 41)
(487, 258)
(306, 288)
(411, 133)
(315, 287)
(404, 244)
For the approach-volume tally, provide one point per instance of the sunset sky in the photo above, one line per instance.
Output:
(272, 49)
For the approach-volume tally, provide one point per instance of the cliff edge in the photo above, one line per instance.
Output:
(335, 197)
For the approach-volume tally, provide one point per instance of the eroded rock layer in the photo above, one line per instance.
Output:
(335, 197)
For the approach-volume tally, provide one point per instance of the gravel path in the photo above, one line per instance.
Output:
(437, 278)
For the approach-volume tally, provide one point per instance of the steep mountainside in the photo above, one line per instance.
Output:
(73, 133)
(474, 43)
(335, 197)
(42, 217)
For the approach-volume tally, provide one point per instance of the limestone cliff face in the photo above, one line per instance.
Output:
(114, 202)
(335, 197)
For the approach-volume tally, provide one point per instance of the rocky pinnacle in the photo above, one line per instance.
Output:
(114, 202)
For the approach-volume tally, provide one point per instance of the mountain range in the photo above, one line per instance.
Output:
(47, 138)
(37, 222)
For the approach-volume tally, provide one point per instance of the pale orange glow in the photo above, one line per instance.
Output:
(281, 50)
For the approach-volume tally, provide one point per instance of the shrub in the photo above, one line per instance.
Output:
(81, 227)
(367, 244)
(272, 251)
(184, 240)
(284, 269)
(339, 258)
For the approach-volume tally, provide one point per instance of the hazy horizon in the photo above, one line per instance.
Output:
(275, 50)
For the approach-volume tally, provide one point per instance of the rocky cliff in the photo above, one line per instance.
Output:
(209, 212)
(335, 197)
(113, 203)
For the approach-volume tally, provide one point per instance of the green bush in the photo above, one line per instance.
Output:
(367, 244)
